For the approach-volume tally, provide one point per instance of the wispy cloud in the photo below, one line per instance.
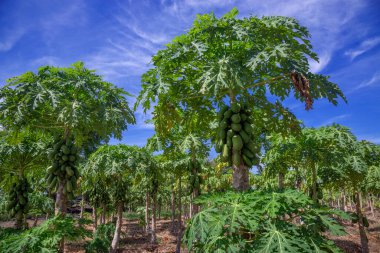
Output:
(46, 60)
(335, 119)
(324, 59)
(363, 47)
(11, 39)
(370, 138)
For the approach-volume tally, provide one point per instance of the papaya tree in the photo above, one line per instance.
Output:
(19, 157)
(72, 103)
(239, 67)
(117, 166)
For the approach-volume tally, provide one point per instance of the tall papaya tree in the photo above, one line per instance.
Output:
(20, 156)
(239, 67)
(117, 166)
(74, 104)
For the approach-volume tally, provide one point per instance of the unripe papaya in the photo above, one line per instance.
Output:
(244, 136)
(227, 114)
(248, 128)
(236, 127)
(236, 160)
(226, 152)
(247, 161)
(235, 118)
(235, 107)
(237, 143)
(248, 153)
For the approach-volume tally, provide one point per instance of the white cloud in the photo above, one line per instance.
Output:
(335, 119)
(374, 80)
(46, 60)
(11, 39)
(324, 59)
(363, 47)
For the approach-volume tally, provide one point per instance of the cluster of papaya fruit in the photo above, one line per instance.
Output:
(195, 178)
(235, 135)
(18, 198)
(64, 156)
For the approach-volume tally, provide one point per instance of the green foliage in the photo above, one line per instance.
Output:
(44, 238)
(56, 99)
(261, 221)
(102, 239)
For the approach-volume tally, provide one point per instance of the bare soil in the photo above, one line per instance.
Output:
(134, 240)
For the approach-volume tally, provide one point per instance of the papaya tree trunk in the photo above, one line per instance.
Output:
(173, 207)
(147, 212)
(362, 232)
(280, 180)
(119, 223)
(179, 235)
(240, 178)
(153, 238)
(81, 208)
(344, 201)
(370, 203)
(95, 217)
(314, 183)
(60, 200)
(35, 221)
(104, 211)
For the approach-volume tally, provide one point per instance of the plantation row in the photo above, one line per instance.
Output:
(274, 185)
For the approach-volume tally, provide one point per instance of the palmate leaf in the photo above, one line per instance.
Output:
(261, 221)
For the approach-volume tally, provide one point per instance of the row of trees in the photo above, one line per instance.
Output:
(241, 69)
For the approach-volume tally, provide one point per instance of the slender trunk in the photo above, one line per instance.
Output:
(298, 179)
(362, 232)
(60, 201)
(344, 201)
(191, 206)
(370, 203)
(19, 220)
(119, 223)
(314, 182)
(35, 221)
(173, 207)
(95, 217)
(147, 212)
(280, 181)
(179, 235)
(159, 209)
(153, 229)
(104, 211)
(81, 208)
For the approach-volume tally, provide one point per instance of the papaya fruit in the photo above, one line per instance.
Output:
(227, 114)
(235, 118)
(248, 153)
(223, 124)
(236, 127)
(222, 134)
(237, 143)
(252, 147)
(248, 128)
(236, 160)
(69, 187)
(226, 152)
(247, 161)
(69, 171)
(221, 112)
(65, 158)
(244, 136)
(230, 133)
(229, 142)
(72, 158)
(243, 117)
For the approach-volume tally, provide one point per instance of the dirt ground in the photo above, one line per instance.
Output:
(134, 240)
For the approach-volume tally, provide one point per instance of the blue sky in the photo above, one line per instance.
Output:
(118, 38)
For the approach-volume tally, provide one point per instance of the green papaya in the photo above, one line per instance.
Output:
(229, 142)
(244, 136)
(236, 127)
(65, 158)
(247, 161)
(248, 153)
(248, 128)
(221, 112)
(73, 150)
(69, 171)
(223, 124)
(226, 152)
(222, 134)
(252, 147)
(219, 146)
(236, 160)
(227, 114)
(72, 158)
(230, 133)
(243, 117)
(235, 118)
(235, 107)
(237, 143)
(69, 187)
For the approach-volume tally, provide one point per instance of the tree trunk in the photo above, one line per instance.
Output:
(314, 183)
(280, 181)
(240, 178)
(362, 232)
(119, 223)
(147, 212)
(173, 207)
(370, 203)
(159, 208)
(81, 208)
(95, 217)
(104, 211)
(298, 179)
(179, 235)
(153, 238)
(60, 201)
(344, 201)
(35, 221)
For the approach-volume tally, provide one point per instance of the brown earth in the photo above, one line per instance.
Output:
(134, 240)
